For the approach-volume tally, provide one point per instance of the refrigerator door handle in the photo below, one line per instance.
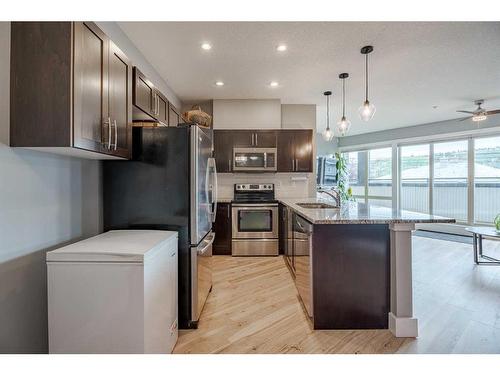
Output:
(213, 187)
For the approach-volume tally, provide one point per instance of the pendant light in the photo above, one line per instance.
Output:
(327, 133)
(344, 124)
(367, 109)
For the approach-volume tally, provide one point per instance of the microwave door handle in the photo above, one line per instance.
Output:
(265, 160)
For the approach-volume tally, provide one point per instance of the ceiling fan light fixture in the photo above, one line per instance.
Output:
(479, 117)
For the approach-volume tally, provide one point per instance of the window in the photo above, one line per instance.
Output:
(450, 186)
(380, 176)
(326, 171)
(357, 173)
(415, 175)
(486, 179)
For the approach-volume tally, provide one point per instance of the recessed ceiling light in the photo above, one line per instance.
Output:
(206, 46)
(281, 48)
(273, 84)
(219, 83)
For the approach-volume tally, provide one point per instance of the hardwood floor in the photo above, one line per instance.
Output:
(254, 308)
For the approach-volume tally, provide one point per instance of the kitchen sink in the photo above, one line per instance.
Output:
(316, 205)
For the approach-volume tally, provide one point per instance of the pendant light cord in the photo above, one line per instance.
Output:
(343, 97)
(366, 77)
(328, 111)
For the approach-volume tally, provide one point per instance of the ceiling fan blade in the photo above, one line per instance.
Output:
(494, 112)
(466, 112)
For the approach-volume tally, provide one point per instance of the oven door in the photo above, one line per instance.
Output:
(254, 159)
(255, 220)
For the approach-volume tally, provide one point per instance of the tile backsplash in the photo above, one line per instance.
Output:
(286, 185)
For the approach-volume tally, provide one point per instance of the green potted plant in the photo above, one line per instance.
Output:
(342, 176)
(497, 223)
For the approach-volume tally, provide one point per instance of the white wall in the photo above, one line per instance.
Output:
(45, 200)
(247, 114)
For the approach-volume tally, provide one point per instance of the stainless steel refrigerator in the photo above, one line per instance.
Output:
(170, 183)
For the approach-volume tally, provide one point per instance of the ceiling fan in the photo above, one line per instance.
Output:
(480, 114)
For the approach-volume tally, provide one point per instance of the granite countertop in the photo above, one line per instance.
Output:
(358, 213)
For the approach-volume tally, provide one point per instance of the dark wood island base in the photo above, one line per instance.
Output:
(350, 276)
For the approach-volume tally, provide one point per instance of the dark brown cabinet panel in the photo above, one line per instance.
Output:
(303, 150)
(265, 138)
(223, 230)
(120, 102)
(91, 119)
(242, 138)
(162, 107)
(223, 150)
(143, 93)
(295, 150)
(42, 85)
(174, 118)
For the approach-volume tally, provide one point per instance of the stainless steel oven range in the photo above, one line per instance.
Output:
(255, 220)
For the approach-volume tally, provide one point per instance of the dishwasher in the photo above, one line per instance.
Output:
(302, 248)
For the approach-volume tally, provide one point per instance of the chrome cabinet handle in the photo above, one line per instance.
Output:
(293, 164)
(256, 139)
(229, 165)
(116, 135)
(109, 133)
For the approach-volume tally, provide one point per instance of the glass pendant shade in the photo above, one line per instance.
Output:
(366, 111)
(327, 134)
(343, 126)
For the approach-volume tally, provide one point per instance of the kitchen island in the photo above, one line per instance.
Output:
(352, 266)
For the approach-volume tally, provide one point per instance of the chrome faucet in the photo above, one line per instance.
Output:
(334, 194)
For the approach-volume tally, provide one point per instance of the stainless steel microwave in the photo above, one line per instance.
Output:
(251, 159)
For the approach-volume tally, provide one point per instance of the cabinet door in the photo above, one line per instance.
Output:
(286, 151)
(162, 108)
(265, 138)
(223, 230)
(173, 116)
(243, 138)
(120, 102)
(91, 123)
(303, 150)
(143, 93)
(223, 150)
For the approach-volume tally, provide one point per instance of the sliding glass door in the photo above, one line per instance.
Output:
(415, 178)
(486, 179)
(380, 177)
(450, 185)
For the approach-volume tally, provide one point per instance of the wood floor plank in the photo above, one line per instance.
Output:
(254, 308)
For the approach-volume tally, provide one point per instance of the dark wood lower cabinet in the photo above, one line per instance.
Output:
(351, 276)
(223, 230)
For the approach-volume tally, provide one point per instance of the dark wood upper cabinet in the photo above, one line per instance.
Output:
(64, 104)
(286, 151)
(294, 147)
(265, 138)
(174, 118)
(162, 108)
(223, 150)
(222, 228)
(295, 150)
(143, 96)
(120, 101)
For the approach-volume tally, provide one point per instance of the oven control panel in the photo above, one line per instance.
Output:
(254, 187)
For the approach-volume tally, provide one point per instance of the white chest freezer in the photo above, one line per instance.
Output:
(114, 293)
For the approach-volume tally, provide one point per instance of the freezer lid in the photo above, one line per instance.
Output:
(130, 246)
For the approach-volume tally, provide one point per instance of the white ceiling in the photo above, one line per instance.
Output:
(414, 66)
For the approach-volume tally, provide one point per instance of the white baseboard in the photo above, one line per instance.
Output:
(403, 327)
